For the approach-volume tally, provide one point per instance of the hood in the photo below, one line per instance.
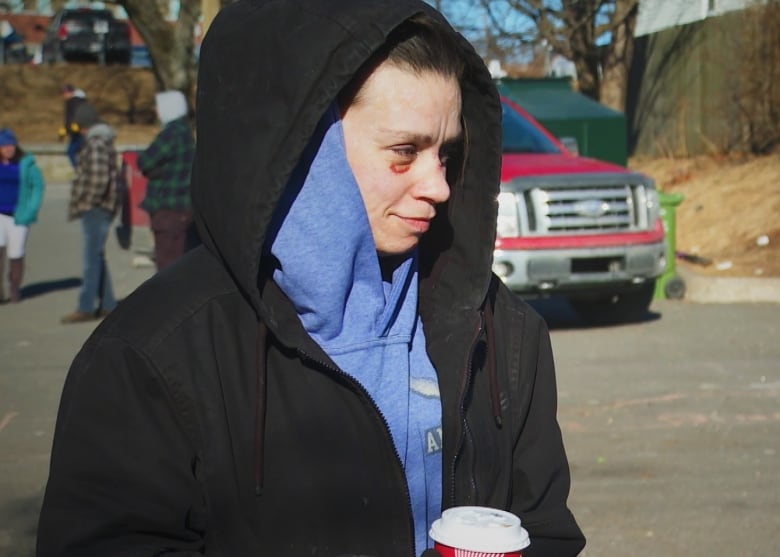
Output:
(101, 130)
(171, 105)
(85, 116)
(257, 112)
(518, 165)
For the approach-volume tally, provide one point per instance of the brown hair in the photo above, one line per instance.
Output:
(420, 44)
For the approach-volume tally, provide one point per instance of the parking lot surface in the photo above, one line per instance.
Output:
(672, 427)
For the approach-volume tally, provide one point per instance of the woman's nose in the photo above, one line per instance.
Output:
(432, 183)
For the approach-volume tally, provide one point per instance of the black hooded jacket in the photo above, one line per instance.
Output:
(201, 418)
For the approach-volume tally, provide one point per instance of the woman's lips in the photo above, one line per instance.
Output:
(420, 225)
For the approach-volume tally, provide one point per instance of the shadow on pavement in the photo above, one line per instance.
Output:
(559, 314)
(40, 288)
(19, 518)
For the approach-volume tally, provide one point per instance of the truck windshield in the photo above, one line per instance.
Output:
(521, 136)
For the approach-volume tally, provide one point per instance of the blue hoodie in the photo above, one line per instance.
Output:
(329, 268)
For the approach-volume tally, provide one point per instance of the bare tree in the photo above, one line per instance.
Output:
(596, 35)
(171, 44)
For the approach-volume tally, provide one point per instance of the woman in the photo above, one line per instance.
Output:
(336, 364)
(21, 195)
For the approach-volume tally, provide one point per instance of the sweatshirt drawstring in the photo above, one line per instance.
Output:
(495, 399)
(260, 400)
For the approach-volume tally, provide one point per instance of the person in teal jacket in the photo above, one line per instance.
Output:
(21, 195)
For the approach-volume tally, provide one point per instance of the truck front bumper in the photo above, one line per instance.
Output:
(608, 269)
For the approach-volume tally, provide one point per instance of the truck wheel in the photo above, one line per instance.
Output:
(621, 307)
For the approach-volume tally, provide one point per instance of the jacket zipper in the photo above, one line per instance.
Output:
(361, 390)
(465, 432)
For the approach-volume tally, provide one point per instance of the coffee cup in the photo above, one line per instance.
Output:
(470, 531)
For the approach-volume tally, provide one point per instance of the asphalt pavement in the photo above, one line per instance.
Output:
(672, 428)
(36, 351)
(672, 425)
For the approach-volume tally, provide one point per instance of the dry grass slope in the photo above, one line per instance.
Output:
(729, 212)
(31, 103)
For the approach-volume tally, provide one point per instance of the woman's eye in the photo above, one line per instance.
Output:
(405, 150)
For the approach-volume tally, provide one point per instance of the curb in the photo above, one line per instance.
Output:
(728, 290)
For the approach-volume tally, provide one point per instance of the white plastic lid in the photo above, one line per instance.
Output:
(480, 529)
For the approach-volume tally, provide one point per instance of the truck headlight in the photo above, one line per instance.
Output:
(507, 226)
(653, 206)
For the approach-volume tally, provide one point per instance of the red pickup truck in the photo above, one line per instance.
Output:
(574, 226)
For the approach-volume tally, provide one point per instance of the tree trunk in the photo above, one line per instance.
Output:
(171, 44)
(579, 29)
(588, 79)
(617, 56)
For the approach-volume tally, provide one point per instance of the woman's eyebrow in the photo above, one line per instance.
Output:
(420, 138)
(407, 136)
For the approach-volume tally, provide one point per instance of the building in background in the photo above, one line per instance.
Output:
(657, 15)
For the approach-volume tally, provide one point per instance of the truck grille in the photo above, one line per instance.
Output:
(582, 208)
(597, 208)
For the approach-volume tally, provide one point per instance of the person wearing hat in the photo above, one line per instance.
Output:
(73, 99)
(21, 194)
(167, 164)
(94, 202)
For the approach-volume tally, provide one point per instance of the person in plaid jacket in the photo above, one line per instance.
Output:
(94, 201)
(167, 163)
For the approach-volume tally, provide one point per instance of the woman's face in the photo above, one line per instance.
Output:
(7, 152)
(398, 134)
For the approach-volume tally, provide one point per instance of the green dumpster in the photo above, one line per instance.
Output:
(669, 285)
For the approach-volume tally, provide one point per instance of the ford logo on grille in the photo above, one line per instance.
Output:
(591, 208)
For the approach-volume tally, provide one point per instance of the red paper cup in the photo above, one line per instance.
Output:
(479, 532)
